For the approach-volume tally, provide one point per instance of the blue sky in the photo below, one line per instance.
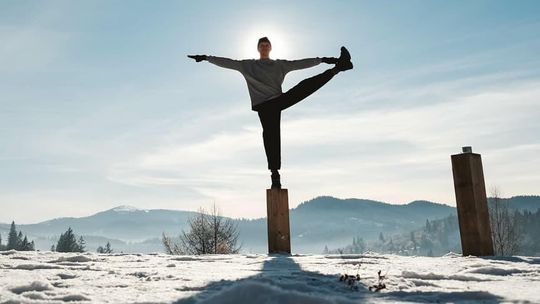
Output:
(100, 106)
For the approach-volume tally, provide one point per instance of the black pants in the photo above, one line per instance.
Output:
(270, 114)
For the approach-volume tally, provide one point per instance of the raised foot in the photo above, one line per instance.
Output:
(344, 62)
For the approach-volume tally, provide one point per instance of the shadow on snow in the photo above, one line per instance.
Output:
(282, 280)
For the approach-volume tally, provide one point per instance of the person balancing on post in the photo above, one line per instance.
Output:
(264, 77)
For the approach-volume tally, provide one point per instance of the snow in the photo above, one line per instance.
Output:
(36, 266)
(126, 208)
(34, 286)
(51, 277)
(76, 259)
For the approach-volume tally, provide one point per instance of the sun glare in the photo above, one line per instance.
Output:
(280, 43)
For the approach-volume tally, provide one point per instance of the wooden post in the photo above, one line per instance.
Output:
(277, 206)
(471, 201)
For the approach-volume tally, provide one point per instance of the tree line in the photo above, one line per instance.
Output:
(513, 232)
(16, 241)
(67, 242)
(208, 233)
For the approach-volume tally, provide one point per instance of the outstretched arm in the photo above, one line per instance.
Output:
(225, 62)
(219, 61)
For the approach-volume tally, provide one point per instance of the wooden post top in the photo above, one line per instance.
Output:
(469, 154)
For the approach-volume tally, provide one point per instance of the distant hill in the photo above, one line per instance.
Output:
(522, 202)
(315, 223)
(332, 221)
(123, 222)
(440, 236)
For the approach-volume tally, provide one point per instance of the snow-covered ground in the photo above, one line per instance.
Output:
(50, 277)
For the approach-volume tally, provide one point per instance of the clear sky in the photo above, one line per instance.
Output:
(99, 105)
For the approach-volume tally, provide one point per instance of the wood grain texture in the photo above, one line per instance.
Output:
(471, 203)
(277, 206)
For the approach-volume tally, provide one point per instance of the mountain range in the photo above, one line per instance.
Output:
(322, 221)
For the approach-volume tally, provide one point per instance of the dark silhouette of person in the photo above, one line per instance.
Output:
(264, 77)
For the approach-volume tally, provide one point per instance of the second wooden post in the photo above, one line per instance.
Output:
(471, 203)
(277, 206)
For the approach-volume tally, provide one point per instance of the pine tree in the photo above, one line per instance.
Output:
(19, 241)
(27, 246)
(67, 242)
(24, 244)
(107, 248)
(12, 237)
(2, 247)
(80, 244)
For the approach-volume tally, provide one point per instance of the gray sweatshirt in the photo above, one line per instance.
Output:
(264, 77)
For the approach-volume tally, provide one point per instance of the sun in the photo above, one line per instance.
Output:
(280, 43)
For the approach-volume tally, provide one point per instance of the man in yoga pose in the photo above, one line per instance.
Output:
(264, 77)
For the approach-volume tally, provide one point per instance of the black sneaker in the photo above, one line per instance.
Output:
(275, 180)
(344, 62)
(345, 55)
